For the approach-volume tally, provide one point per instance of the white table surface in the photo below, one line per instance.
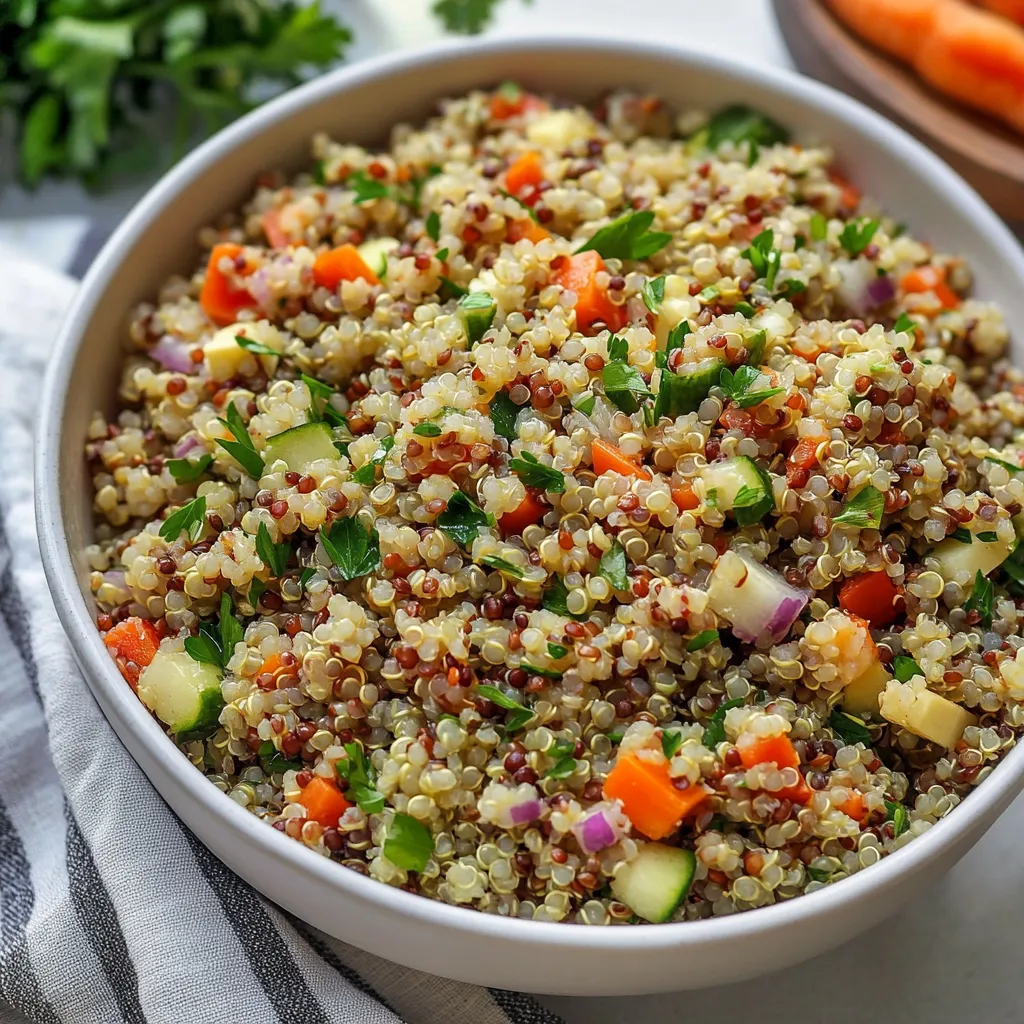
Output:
(954, 955)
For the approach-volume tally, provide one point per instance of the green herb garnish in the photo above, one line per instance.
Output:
(352, 548)
(739, 123)
(905, 668)
(503, 415)
(740, 386)
(463, 519)
(456, 289)
(255, 347)
(366, 474)
(256, 590)
(520, 715)
(358, 772)
(628, 238)
(535, 473)
(366, 188)
(702, 640)
(981, 599)
(897, 814)
(427, 430)
(819, 227)
(273, 556)
(536, 670)
(185, 471)
(555, 600)
(433, 225)
(409, 843)
(988, 537)
(217, 648)
(864, 510)
(612, 566)
(904, 325)
(242, 450)
(503, 565)
(671, 741)
(849, 728)
(654, 293)
(759, 251)
(857, 234)
(714, 731)
(556, 651)
(963, 535)
(189, 519)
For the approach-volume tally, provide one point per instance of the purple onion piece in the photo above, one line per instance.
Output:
(525, 812)
(186, 445)
(115, 578)
(879, 291)
(173, 354)
(785, 615)
(595, 832)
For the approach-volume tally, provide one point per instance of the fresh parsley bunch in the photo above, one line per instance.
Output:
(80, 78)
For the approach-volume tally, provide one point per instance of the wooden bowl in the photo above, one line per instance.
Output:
(988, 155)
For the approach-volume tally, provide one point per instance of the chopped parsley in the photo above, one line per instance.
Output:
(897, 814)
(351, 547)
(273, 556)
(905, 668)
(628, 237)
(981, 598)
(366, 188)
(790, 287)
(526, 206)
(714, 731)
(366, 474)
(676, 338)
(759, 251)
(242, 450)
(625, 386)
(849, 728)
(520, 715)
(535, 473)
(503, 565)
(740, 386)
(319, 391)
(864, 510)
(556, 651)
(654, 293)
(963, 535)
(255, 347)
(503, 415)
(857, 234)
(216, 647)
(702, 640)
(358, 772)
(409, 843)
(739, 123)
(427, 430)
(555, 599)
(565, 764)
(456, 289)
(1011, 467)
(463, 519)
(256, 590)
(904, 325)
(189, 519)
(185, 471)
(306, 575)
(988, 537)
(671, 741)
(746, 309)
(536, 670)
(708, 294)
(612, 566)
(433, 225)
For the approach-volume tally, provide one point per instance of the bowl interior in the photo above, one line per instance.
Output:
(158, 239)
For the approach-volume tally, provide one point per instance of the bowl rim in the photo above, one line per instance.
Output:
(245, 828)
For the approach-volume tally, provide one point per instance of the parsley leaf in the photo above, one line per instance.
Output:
(256, 590)
(366, 188)
(427, 430)
(409, 843)
(654, 293)
(526, 206)
(739, 386)
(185, 471)
(556, 651)
(203, 647)
(255, 347)
(273, 556)
(849, 728)
(714, 731)
(628, 238)
(702, 640)
(242, 450)
(739, 123)
(612, 566)
(759, 250)
(988, 537)
(1010, 466)
(555, 599)
(231, 630)
(565, 763)
(319, 391)
(190, 519)
(905, 668)
(520, 715)
(503, 565)
(897, 814)
(463, 519)
(358, 772)
(535, 473)
(353, 549)
(274, 762)
(625, 386)
(216, 648)
(857, 234)
(962, 535)
(671, 742)
(503, 415)
(981, 598)
(366, 474)
(904, 325)
(433, 225)
(467, 17)
(536, 670)
(676, 339)
(864, 510)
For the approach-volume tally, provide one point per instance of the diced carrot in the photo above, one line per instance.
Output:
(896, 26)
(135, 640)
(1012, 9)
(853, 806)
(276, 235)
(323, 802)
(649, 797)
(579, 274)
(526, 513)
(798, 794)
(342, 263)
(802, 458)
(849, 194)
(684, 498)
(607, 457)
(511, 101)
(526, 228)
(220, 299)
(871, 596)
(931, 279)
(770, 749)
(525, 170)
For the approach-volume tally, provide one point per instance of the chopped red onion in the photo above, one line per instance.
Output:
(186, 445)
(173, 354)
(595, 831)
(527, 811)
(786, 614)
(879, 291)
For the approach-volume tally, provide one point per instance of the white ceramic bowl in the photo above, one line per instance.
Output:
(361, 103)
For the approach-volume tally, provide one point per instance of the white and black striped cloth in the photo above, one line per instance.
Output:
(110, 910)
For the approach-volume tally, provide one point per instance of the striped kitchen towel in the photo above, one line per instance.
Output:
(110, 910)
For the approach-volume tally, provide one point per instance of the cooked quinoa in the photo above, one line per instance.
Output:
(659, 580)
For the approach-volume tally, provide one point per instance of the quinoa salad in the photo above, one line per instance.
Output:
(603, 515)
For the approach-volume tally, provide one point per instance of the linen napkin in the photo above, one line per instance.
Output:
(111, 911)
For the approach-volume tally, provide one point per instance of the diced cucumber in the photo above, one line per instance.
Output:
(476, 311)
(655, 881)
(183, 693)
(740, 486)
(680, 393)
(375, 254)
(960, 562)
(301, 446)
